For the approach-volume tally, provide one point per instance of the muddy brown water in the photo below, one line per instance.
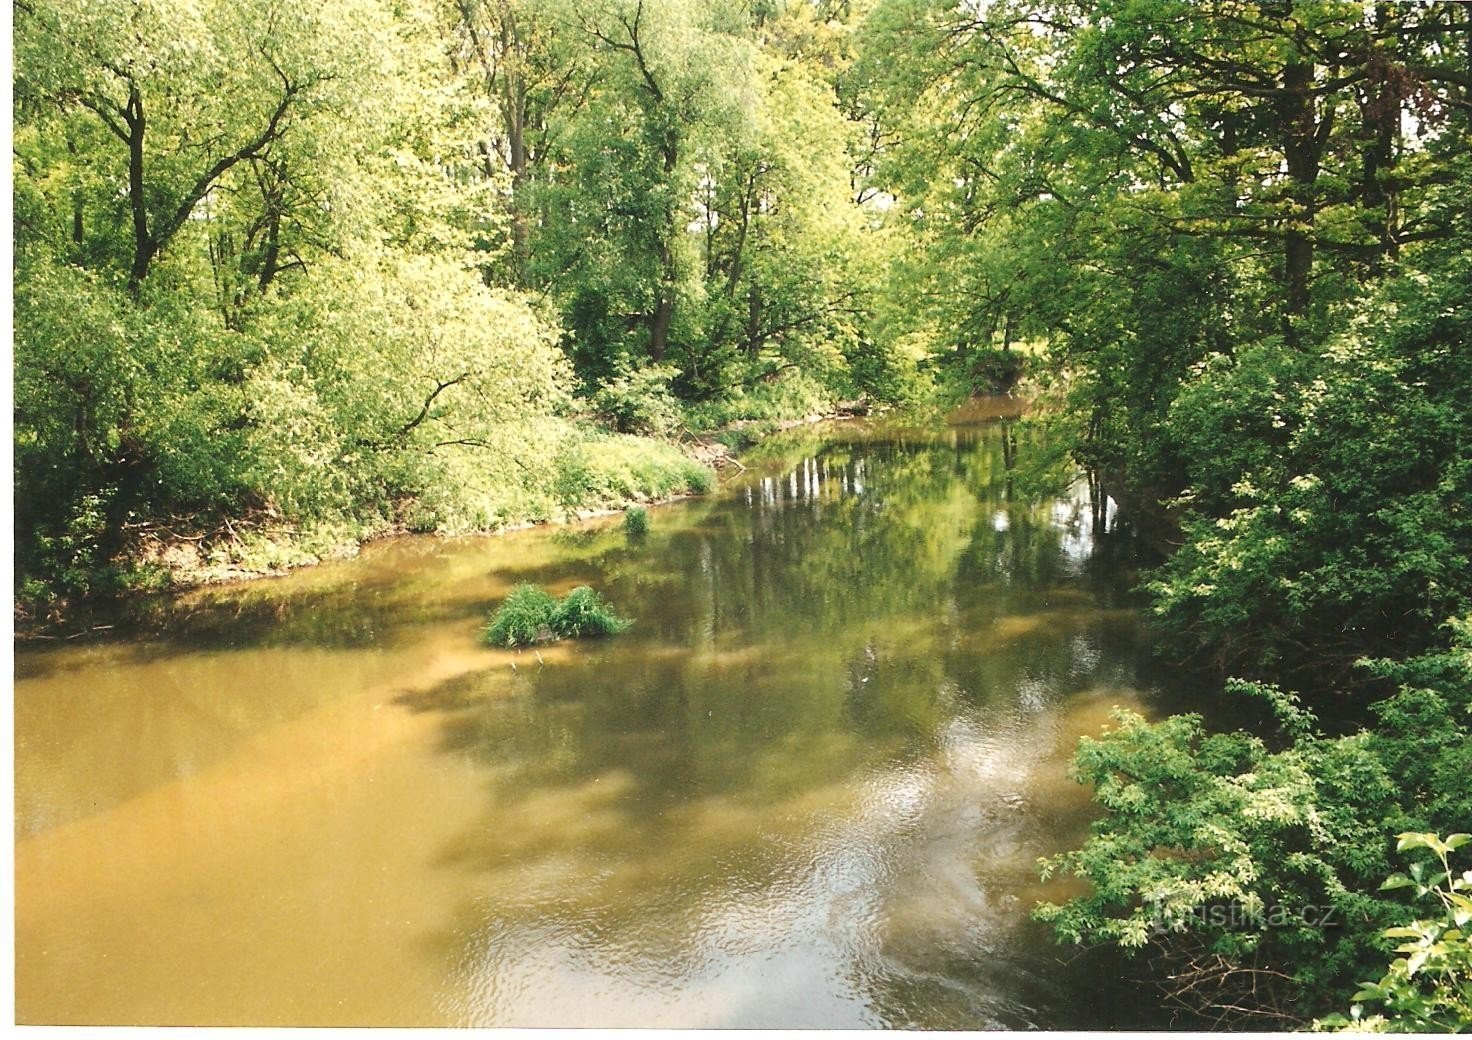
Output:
(808, 788)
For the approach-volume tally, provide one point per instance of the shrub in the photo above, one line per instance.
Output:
(698, 479)
(636, 521)
(1429, 989)
(793, 394)
(1211, 843)
(995, 371)
(1330, 498)
(639, 401)
(573, 484)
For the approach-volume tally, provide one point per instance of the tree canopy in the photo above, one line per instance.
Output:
(340, 268)
(1241, 232)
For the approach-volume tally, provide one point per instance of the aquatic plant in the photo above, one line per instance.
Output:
(583, 613)
(636, 521)
(532, 615)
(524, 618)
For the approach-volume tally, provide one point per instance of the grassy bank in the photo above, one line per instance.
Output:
(551, 472)
(566, 472)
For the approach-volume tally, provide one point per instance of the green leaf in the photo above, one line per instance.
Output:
(1416, 840)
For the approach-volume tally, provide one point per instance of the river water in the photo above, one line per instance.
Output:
(807, 788)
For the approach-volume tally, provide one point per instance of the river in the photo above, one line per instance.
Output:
(807, 788)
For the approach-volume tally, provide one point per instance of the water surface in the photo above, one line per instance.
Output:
(808, 788)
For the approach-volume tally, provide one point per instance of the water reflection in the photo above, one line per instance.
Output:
(811, 787)
(808, 788)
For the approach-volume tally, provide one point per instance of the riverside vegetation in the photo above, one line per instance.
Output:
(531, 615)
(426, 267)
(1243, 231)
(449, 266)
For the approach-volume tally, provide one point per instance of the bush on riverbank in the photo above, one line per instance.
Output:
(1327, 522)
(785, 396)
(532, 615)
(993, 370)
(1254, 865)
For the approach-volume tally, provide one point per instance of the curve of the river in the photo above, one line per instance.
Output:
(808, 788)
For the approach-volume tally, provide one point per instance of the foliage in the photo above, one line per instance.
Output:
(636, 521)
(693, 194)
(786, 396)
(639, 401)
(1240, 230)
(609, 469)
(1217, 849)
(995, 371)
(1146, 184)
(289, 318)
(531, 615)
(1328, 494)
(524, 618)
(1429, 990)
(390, 276)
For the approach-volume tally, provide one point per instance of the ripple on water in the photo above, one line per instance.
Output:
(808, 788)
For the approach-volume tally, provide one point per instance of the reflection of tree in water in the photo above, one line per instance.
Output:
(388, 599)
(827, 622)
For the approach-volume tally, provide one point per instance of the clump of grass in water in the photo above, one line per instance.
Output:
(525, 618)
(636, 521)
(583, 613)
(530, 615)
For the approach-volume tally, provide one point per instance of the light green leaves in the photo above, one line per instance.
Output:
(1440, 846)
(1429, 987)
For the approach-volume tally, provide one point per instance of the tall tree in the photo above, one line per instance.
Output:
(149, 75)
(680, 75)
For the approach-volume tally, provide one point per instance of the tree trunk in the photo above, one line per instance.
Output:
(271, 251)
(1301, 151)
(1379, 116)
(664, 308)
(659, 328)
(754, 336)
(77, 199)
(127, 472)
(514, 110)
(144, 246)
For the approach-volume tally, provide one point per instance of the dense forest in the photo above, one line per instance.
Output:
(289, 276)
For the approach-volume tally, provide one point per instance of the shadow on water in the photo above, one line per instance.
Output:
(810, 786)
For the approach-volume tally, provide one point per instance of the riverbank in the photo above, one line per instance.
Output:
(170, 555)
(425, 831)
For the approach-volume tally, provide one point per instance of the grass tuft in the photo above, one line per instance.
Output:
(531, 615)
(524, 618)
(636, 521)
(583, 613)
